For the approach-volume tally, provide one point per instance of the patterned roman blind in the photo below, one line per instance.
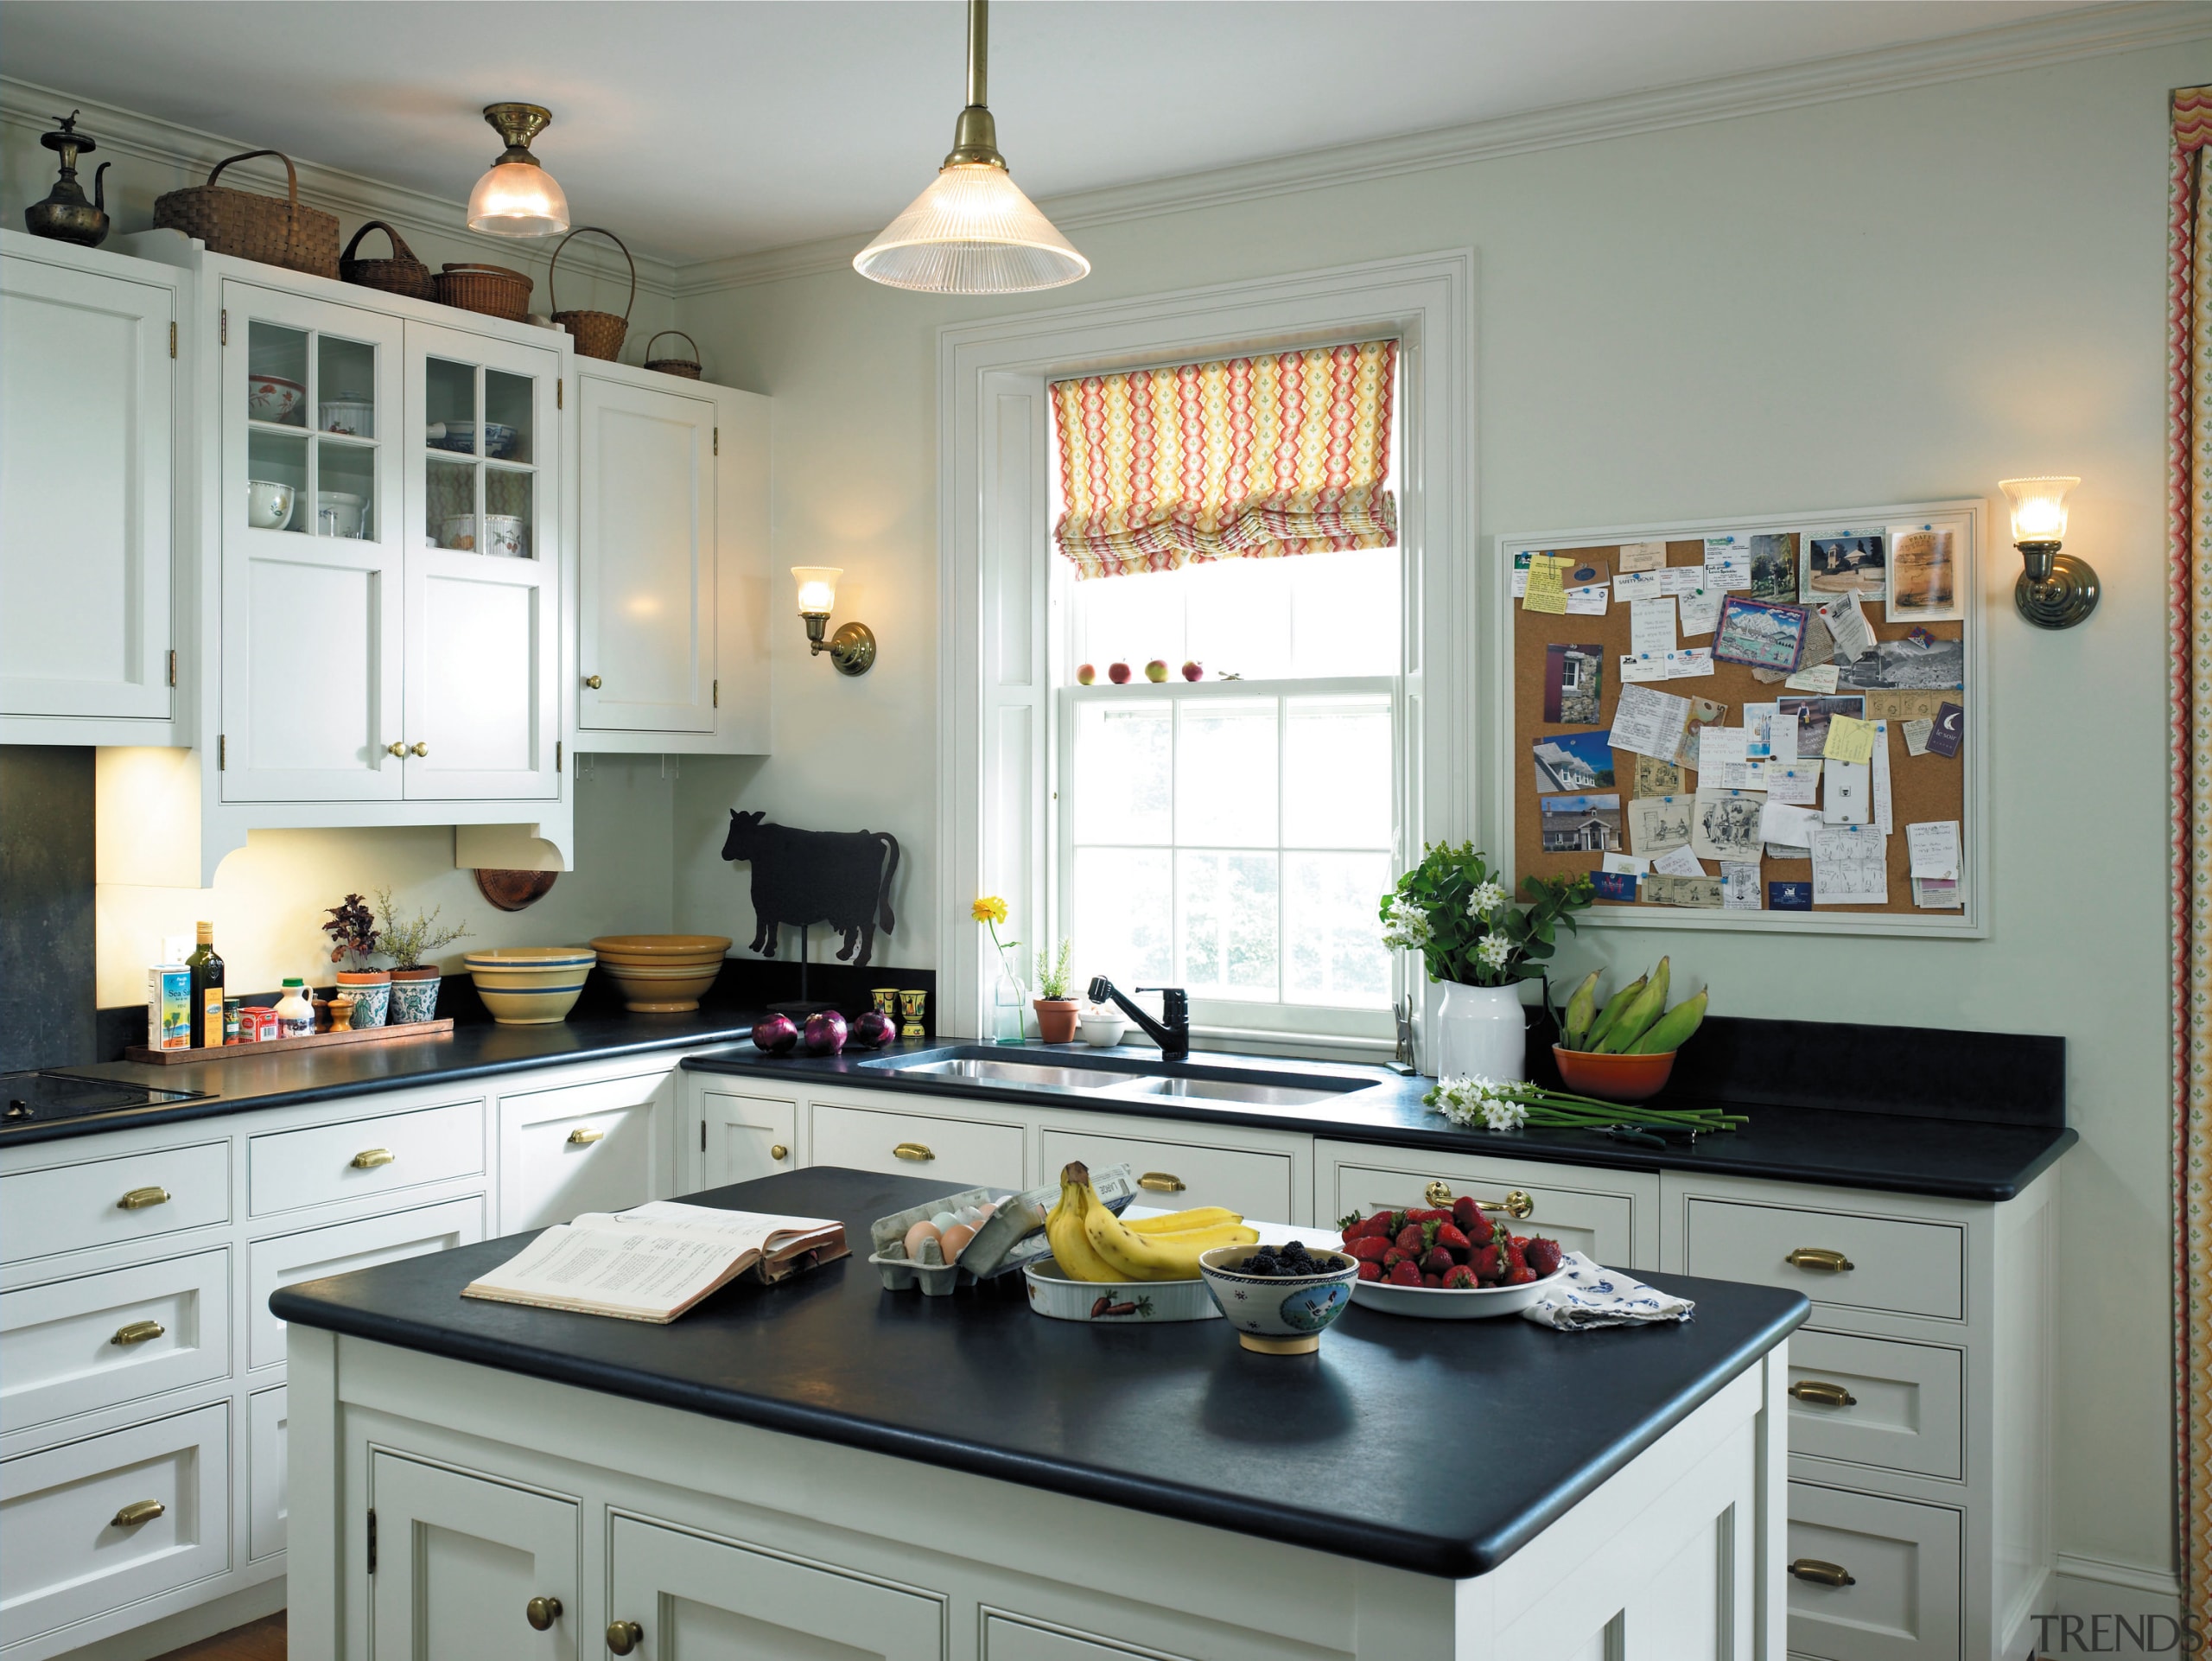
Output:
(1242, 458)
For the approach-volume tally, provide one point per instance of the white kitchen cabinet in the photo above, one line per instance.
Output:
(71, 1346)
(1612, 1216)
(741, 1136)
(602, 1145)
(968, 1151)
(1870, 1578)
(470, 1569)
(341, 1248)
(88, 390)
(1179, 1173)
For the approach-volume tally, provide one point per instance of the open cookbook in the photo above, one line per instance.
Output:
(653, 1261)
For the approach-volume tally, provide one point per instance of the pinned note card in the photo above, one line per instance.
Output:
(1652, 626)
(1547, 585)
(1934, 848)
(1849, 740)
(1643, 556)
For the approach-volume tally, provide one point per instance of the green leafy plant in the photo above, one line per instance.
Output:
(407, 944)
(1054, 979)
(352, 933)
(1452, 909)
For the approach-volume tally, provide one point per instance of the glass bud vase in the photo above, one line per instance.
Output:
(1006, 1009)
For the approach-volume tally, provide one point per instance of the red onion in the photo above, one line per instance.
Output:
(825, 1032)
(874, 1030)
(774, 1035)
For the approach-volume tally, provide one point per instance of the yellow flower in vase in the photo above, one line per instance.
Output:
(990, 909)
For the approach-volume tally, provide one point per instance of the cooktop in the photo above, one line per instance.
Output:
(42, 1098)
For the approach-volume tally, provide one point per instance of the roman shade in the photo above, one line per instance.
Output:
(1240, 458)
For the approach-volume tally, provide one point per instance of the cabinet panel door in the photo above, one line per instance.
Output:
(69, 1347)
(1904, 1599)
(1178, 1175)
(341, 1249)
(969, 1152)
(742, 1137)
(695, 1599)
(596, 1147)
(268, 1516)
(459, 1558)
(1610, 1216)
(481, 593)
(85, 479)
(311, 550)
(646, 644)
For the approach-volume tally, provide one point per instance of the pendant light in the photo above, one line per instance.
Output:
(972, 232)
(517, 197)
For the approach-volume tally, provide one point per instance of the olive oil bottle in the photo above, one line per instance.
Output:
(206, 991)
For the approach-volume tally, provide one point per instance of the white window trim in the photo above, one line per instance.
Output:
(994, 828)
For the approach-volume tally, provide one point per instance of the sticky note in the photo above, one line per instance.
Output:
(1546, 585)
(1849, 740)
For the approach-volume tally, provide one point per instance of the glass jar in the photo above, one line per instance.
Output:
(1006, 1009)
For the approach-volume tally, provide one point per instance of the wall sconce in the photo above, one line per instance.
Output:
(852, 648)
(2055, 590)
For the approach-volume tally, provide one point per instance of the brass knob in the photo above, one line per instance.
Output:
(1828, 1395)
(137, 1511)
(1160, 1182)
(541, 1613)
(1820, 1574)
(622, 1636)
(584, 1135)
(137, 1332)
(777, 1151)
(912, 1150)
(139, 1198)
(1438, 1193)
(369, 1158)
(592, 681)
(1819, 1257)
(395, 748)
(419, 748)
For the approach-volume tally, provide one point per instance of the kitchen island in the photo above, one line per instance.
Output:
(823, 1464)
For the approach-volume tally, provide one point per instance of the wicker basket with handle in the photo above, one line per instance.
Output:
(277, 230)
(599, 333)
(494, 290)
(689, 367)
(402, 274)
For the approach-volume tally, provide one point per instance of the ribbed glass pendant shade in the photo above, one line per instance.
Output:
(972, 232)
(518, 199)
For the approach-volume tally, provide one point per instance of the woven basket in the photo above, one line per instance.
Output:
(494, 290)
(277, 230)
(688, 368)
(402, 274)
(599, 333)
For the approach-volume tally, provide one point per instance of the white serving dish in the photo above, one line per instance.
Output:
(1053, 1292)
(503, 536)
(1435, 1303)
(339, 513)
(354, 417)
(268, 504)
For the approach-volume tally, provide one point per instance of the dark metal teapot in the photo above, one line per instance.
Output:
(64, 214)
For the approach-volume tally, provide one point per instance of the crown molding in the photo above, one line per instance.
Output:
(2094, 31)
(123, 132)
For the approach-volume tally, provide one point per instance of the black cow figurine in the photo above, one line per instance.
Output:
(810, 876)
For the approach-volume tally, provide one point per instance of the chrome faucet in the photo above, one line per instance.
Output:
(1171, 1034)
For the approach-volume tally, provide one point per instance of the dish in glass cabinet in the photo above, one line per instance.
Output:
(459, 437)
(349, 416)
(272, 397)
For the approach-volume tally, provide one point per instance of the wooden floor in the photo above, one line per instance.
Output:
(262, 1641)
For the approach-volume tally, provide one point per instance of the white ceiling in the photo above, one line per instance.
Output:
(710, 129)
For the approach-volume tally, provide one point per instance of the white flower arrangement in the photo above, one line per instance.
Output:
(1495, 952)
(1405, 927)
(1483, 902)
(1479, 1102)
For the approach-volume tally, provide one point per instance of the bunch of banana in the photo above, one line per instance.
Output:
(1634, 1020)
(1090, 1244)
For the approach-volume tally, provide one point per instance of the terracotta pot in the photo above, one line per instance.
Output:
(415, 994)
(1613, 1077)
(372, 990)
(1056, 1019)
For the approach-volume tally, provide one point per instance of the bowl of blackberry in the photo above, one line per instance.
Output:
(1279, 1298)
(1448, 1262)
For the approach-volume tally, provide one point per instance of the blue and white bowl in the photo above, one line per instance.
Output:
(460, 437)
(1278, 1315)
(530, 985)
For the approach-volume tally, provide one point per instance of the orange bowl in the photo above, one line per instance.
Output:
(1613, 1077)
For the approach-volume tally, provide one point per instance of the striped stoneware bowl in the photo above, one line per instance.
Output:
(530, 985)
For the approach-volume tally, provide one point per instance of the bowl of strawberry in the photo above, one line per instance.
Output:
(1448, 1263)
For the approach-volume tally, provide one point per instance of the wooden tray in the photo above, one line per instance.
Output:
(412, 1029)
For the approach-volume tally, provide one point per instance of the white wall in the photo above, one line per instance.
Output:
(1891, 298)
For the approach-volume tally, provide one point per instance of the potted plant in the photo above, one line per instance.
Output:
(353, 940)
(1479, 944)
(1056, 1010)
(414, 982)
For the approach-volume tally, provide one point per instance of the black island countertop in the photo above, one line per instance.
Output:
(1438, 1447)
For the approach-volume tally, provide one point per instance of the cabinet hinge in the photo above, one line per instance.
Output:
(718, 686)
(172, 340)
(702, 1136)
(222, 751)
(560, 394)
(372, 1540)
(556, 756)
(172, 666)
(223, 336)
(718, 441)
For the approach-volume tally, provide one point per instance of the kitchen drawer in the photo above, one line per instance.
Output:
(69, 1347)
(1905, 1406)
(342, 1248)
(1177, 1176)
(288, 1170)
(68, 1557)
(1905, 1600)
(580, 1148)
(267, 1427)
(1009, 1637)
(740, 1137)
(1887, 1263)
(66, 1208)
(1612, 1217)
(966, 1153)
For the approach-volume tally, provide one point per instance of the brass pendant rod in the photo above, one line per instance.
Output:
(979, 44)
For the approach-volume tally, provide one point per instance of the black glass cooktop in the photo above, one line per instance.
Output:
(42, 1098)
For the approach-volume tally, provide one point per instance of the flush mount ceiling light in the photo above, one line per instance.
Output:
(972, 232)
(517, 197)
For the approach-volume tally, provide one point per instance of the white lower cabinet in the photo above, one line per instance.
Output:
(471, 1569)
(72, 1346)
(694, 1598)
(1872, 1578)
(1611, 1215)
(969, 1152)
(1009, 1637)
(268, 1422)
(314, 1254)
(740, 1137)
(580, 1148)
(1878, 1401)
(1179, 1174)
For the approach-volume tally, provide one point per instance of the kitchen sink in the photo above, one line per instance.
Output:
(1126, 1078)
(989, 1070)
(1240, 1089)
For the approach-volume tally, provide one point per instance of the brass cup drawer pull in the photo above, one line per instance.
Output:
(1828, 1395)
(1819, 1257)
(1160, 1182)
(541, 1613)
(1820, 1574)
(369, 1158)
(137, 1332)
(139, 1198)
(778, 1152)
(624, 1636)
(913, 1150)
(584, 1135)
(137, 1511)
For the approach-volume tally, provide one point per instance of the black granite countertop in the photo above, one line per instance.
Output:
(1437, 1447)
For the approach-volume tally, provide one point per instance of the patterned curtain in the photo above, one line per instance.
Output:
(1245, 458)
(2190, 608)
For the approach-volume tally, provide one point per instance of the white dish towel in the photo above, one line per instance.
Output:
(1593, 1296)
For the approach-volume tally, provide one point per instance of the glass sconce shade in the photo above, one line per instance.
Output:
(818, 589)
(2039, 508)
(518, 199)
(972, 232)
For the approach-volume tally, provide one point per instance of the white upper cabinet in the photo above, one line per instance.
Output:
(87, 467)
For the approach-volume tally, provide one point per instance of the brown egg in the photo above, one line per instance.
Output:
(922, 1231)
(955, 1241)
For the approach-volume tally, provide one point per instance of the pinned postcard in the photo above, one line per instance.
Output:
(1574, 683)
(1648, 723)
(1678, 861)
(1657, 777)
(1701, 891)
(1790, 896)
(1926, 661)
(1850, 794)
(1916, 736)
(1728, 563)
(1760, 632)
(1769, 734)
(1689, 663)
(1659, 824)
(1546, 590)
(1570, 763)
(1923, 573)
(1819, 678)
(1950, 730)
(1704, 713)
(1739, 886)
(1580, 824)
(1849, 740)
(1652, 666)
(1701, 610)
(1774, 566)
(1797, 784)
(1651, 625)
(1814, 715)
(1591, 602)
(1891, 705)
(1725, 824)
(1624, 864)
(1788, 827)
(1852, 564)
(1613, 885)
(1934, 848)
(1643, 556)
(1820, 650)
(1851, 866)
(1631, 586)
(1933, 893)
(1853, 634)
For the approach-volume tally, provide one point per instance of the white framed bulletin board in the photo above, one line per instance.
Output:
(1768, 723)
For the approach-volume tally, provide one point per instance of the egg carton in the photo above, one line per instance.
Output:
(1010, 1239)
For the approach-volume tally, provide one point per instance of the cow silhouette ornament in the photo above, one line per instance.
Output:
(840, 877)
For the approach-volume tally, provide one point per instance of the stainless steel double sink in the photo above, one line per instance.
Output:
(1122, 1078)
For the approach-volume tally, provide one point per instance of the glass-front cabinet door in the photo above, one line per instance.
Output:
(482, 637)
(312, 538)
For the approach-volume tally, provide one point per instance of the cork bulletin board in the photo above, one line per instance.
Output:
(1933, 657)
